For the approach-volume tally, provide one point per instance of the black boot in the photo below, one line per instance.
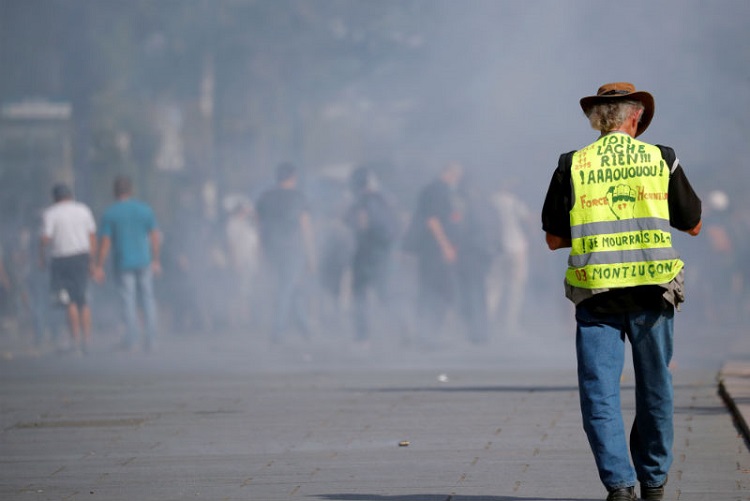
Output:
(623, 494)
(653, 493)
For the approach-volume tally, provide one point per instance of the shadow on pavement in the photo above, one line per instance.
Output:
(480, 389)
(438, 497)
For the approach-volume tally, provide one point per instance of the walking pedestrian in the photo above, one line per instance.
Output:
(510, 271)
(129, 229)
(613, 203)
(287, 242)
(243, 252)
(433, 237)
(69, 235)
(477, 243)
(375, 225)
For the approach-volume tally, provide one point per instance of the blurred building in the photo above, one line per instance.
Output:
(36, 151)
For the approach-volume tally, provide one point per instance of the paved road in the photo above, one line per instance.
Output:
(227, 419)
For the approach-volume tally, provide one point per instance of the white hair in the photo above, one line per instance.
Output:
(606, 117)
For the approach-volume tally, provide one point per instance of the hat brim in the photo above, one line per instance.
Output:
(641, 96)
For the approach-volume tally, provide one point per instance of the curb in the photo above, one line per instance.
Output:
(734, 389)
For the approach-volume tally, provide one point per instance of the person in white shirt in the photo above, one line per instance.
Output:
(243, 244)
(69, 236)
(510, 272)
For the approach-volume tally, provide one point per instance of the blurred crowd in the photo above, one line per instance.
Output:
(341, 256)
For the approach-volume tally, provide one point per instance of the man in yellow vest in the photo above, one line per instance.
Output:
(613, 204)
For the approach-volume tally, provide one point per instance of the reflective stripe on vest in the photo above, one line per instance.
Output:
(620, 217)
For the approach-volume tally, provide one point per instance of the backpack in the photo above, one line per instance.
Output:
(383, 226)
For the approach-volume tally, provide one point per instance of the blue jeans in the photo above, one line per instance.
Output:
(135, 284)
(291, 297)
(600, 347)
(370, 270)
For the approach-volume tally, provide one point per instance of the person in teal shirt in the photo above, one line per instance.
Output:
(129, 229)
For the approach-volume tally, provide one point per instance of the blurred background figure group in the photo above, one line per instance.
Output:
(49, 288)
(300, 258)
(370, 103)
(343, 258)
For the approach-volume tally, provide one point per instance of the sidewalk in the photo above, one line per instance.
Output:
(734, 388)
(227, 420)
(734, 383)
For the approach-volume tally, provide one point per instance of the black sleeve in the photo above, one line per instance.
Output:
(558, 202)
(684, 204)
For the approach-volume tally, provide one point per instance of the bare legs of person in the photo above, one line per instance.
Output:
(79, 322)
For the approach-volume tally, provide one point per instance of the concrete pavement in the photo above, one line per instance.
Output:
(734, 387)
(228, 419)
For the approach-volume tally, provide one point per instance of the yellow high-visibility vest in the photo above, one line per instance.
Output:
(619, 222)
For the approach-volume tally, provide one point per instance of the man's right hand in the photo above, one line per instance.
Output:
(98, 274)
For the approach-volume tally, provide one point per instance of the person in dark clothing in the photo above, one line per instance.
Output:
(336, 243)
(287, 243)
(433, 237)
(477, 241)
(376, 228)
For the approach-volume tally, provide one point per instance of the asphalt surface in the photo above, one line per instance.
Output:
(228, 418)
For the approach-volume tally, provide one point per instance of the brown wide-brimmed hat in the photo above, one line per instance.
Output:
(622, 91)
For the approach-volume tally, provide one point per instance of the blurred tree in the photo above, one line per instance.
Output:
(255, 82)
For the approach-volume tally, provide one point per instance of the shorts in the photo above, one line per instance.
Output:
(69, 279)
